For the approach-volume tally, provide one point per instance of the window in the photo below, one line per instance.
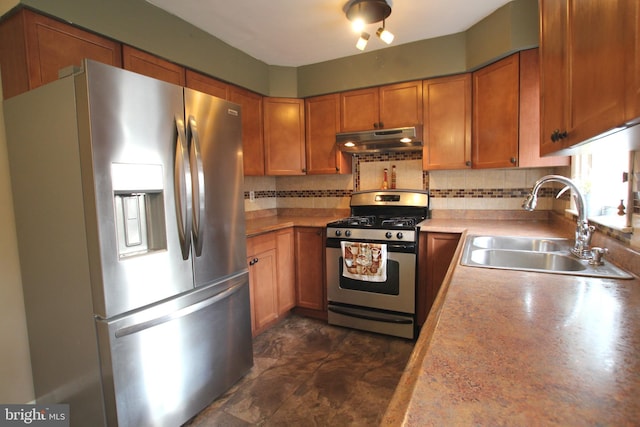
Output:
(600, 170)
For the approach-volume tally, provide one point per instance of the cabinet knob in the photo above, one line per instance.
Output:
(381, 125)
(337, 169)
(513, 160)
(253, 261)
(557, 135)
(467, 163)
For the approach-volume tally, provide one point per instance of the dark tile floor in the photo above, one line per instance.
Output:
(307, 373)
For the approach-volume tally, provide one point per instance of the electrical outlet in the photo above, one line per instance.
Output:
(252, 196)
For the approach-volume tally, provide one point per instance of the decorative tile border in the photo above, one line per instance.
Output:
(491, 193)
(299, 193)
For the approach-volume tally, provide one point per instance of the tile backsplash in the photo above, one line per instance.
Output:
(469, 189)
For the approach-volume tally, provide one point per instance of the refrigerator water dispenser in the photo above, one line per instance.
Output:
(139, 208)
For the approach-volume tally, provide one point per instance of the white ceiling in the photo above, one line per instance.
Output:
(300, 32)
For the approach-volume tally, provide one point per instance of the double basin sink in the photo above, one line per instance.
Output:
(546, 255)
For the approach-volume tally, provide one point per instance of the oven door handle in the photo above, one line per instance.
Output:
(380, 317)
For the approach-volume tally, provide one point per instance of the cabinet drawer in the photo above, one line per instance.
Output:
(261, 243)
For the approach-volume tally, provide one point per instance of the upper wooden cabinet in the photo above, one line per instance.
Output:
(583, 60)
(447, 122)
(506, 114)
(252, 129)
(33, 48)
(529, 133)
(495, 114)
(150, 65)
(284, 136)
(632, 50)
(206, 84)
(387, 107)
(322, 122)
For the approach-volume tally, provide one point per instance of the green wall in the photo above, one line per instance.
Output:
(138, 23)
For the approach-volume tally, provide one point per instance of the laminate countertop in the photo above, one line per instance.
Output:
(276, 222)
(520, 348)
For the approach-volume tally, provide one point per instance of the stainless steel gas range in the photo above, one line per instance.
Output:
(371, 262)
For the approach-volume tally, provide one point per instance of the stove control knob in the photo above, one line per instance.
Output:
(347, 233)
(388, 235)
(338, 233)
(399, 235)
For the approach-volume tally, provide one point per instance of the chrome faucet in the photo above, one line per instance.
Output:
(582, 246)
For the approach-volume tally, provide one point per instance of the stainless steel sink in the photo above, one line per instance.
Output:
(520, 243)
(547, 255)
(526, 260)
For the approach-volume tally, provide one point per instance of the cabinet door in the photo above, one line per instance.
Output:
(359, 110)
(436, 253)
(262, 283)
(529, 134)
(286, 270)
(150, 65)
(310, 287)
(447, 123)
(495, 114)
(632, 40)
(252, 138)
(322, 122)
(401, 105)
(583, 69)
(596, 67)
(33, 48)
(206, 84)
(284, 136)
(554, 69)
(263, 280)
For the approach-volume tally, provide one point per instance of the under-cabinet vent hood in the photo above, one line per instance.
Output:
(381, 140)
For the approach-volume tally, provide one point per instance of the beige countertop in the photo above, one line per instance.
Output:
(265, 224)
(520, 348)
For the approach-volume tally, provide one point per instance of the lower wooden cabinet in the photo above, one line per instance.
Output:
(435, 256)
(285, 247)
(310, 280)
(271, 277)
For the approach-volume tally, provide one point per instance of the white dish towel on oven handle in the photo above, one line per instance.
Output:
(364, 261)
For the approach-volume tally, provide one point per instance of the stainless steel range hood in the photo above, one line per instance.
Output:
(381, 140)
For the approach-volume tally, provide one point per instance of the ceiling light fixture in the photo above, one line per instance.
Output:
(362, 41)
(384, 34)
(362, 12)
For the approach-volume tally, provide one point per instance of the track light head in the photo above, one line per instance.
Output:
(362, 41)
(384, 34)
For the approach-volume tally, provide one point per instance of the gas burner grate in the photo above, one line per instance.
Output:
(366, 220)
(399, 222)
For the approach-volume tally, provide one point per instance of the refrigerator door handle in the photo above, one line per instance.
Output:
(197, 179)
(183, 189)
(138, 327)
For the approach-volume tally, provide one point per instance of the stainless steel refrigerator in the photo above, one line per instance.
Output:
(128, 196)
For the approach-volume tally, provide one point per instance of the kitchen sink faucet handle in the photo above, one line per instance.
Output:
(597, 255)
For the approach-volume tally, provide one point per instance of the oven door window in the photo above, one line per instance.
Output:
(390, 287)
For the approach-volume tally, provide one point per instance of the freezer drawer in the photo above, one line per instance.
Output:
(170, 361)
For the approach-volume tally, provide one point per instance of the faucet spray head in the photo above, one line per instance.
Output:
(530, 202)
